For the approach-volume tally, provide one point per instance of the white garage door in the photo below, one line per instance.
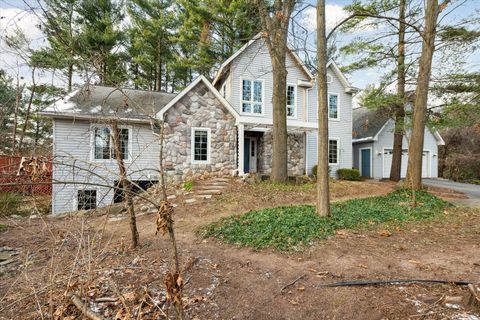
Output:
(387, 163)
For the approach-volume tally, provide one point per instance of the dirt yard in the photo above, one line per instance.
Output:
(89, 255)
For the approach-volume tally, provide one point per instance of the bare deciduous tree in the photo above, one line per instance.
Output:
(323, 190)
(415, 148)
(275, 32)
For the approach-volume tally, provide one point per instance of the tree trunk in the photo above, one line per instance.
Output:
(15, 117)
(158, 79)
(125, 184)
(279, 132)
(396, 168)
(29, 108)
(69, 76)
(323, 190)
(275, 32)
(415, 149)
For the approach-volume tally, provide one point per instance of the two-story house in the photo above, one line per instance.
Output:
(222, 128)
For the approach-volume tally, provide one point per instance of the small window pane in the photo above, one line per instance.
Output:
(102, 143)
(333, 106)
(200, 145)
(257, 108)
(247, 90)
(290, 101)
(86, 199)
(332, 151)
(257, 91)
(123, 134)
(247, 107)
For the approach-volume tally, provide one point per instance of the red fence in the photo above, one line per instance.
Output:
(23, 183)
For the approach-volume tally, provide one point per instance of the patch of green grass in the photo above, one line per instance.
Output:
(291, 228)
(10, 204)
(284, 187)
(188, 185)
(3, 227)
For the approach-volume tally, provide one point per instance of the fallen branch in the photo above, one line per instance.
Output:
(390, 282)
(292, 283)
(87, 312)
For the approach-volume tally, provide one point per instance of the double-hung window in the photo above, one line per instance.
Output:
(291, 110)
(252, 96)
(332, 151)
(333, 106)
(103, 144)
(200, 145)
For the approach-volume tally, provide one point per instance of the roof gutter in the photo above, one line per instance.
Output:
(367, 139)
(59, 115)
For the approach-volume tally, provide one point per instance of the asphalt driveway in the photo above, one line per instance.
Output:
(472, 191)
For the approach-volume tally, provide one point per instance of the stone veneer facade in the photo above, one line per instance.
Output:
(199, 108)
(296, 153)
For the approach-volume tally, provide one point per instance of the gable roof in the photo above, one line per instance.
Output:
(368, 124)
(258, 36)
(348, 87)
(92, 101)
(171, 103)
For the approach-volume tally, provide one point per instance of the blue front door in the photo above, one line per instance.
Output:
(365, 160)
(246, 155)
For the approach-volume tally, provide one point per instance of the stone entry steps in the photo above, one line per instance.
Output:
(205, 190)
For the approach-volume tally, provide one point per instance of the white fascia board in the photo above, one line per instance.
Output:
(160, 115)
(367, 139)
(266, 121)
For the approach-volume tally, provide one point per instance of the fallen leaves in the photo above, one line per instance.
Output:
(385, 233)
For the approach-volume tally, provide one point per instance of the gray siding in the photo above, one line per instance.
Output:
(356, 154)
(255, 64)
(385, 141)
(72, 164)
(340, 129)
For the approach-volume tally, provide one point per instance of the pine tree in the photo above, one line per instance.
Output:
(151, 47)
(100, 42)
(62, 36)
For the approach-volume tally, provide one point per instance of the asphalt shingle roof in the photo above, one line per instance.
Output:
(367, 123)
(101, 101)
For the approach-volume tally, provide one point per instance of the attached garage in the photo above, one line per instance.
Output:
(387, 163)
(372, 138)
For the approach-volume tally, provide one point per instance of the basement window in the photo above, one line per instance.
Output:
(86, 199)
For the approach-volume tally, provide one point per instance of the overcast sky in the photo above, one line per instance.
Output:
(13, 14)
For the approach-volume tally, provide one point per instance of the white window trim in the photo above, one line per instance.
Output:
(338, 106)
(192, 145)
(223, 90)
(75, 197)
(241, 97)
(94, 126)
(338, 152)
(295, 104)
(329, 78)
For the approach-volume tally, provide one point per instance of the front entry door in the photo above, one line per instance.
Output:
(365, 157)
(250, 155)
(246, 155)
(253, 154)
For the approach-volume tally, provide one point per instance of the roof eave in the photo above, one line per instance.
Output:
(64, 115)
